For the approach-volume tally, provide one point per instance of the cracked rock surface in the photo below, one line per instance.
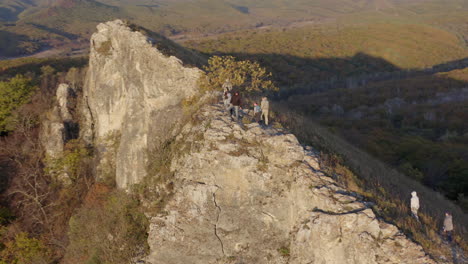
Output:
(254, 195)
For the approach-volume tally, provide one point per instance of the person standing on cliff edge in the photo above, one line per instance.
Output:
(227, 98)
(265, 106)
(448, 226)
(257, 112)
(227, 85)
(414, 204)
(236, 101)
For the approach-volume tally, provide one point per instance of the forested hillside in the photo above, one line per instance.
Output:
(68, 23)
(316, 53)
(416, 124)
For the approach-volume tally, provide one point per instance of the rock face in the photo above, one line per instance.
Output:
(253, 195)
(57, 127)
(131, 99)
(235, 194)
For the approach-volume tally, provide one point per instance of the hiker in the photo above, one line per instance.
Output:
(227, 85)
(227, 98)
(257, 112)
(265, 106)
(448, 226)
(415, 204)
(236, 103)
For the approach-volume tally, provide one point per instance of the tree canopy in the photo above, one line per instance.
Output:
(13, 94)
(245, 76)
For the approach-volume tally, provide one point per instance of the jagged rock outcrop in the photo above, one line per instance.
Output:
(58, 126)
(131, 98)
(233, 194)
(55, 126)
(253, 195)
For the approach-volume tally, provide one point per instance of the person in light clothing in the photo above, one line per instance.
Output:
(414, 204)
(227, 98)
(265, 106)
(227, 85)
(448, 226)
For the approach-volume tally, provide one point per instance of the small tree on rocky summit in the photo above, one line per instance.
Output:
(245, 76)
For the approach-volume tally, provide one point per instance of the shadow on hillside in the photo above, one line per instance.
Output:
(62, 33)
(33, 65)
(12, 44)
(10, 14)
(296, 75)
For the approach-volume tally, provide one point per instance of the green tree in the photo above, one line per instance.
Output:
(13, 94)
(24, 250)
(245, 76)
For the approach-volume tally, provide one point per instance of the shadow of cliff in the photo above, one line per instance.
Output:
(11, 12)
(296, 75)
(13, 44)
(33, 65)
(62, 33)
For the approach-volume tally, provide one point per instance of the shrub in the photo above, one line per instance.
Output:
(284, 251)
(245, 76)
(24, 250)
(70, 162)
(105, 48)
(108, 229)
(5, 215)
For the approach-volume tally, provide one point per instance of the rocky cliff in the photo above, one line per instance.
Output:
(238, 194)
(254, 195)
(131, 98)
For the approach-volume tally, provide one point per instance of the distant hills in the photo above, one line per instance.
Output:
(69, 23)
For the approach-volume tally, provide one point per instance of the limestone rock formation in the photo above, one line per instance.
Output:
(58, 126)
(253, 195)
(131, 99)
(234, 194)
(55, 126)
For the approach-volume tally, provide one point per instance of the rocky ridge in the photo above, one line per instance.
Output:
(253, 195)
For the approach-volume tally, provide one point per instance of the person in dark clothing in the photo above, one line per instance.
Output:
(257, 112)
(236, 101)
